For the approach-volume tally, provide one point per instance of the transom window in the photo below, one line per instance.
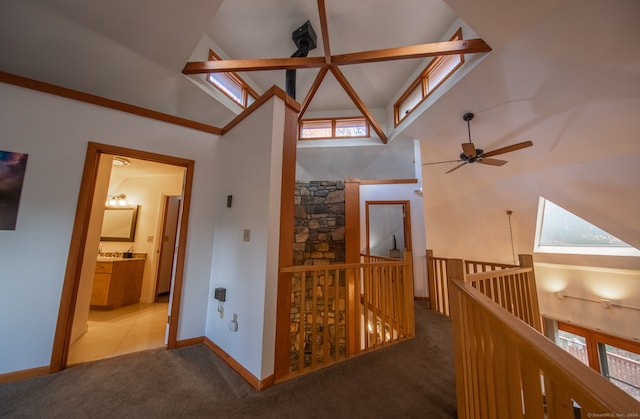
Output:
(329, 128)
(232, 85)
(436, 72)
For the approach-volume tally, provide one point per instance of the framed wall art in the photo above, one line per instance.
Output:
(12, 170)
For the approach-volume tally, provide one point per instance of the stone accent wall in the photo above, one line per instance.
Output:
(319, 240)
(319, 225)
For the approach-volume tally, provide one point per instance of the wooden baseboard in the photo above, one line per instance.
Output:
(189, 342)
(244, 373)
(421, 299)
(23, 374)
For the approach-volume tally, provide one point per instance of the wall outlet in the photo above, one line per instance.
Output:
(233, 324)
(246, 235)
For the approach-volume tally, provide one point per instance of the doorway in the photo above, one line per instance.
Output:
(388, 226)
(167, 251)
(81, 263)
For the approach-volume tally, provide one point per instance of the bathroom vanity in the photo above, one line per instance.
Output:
(117, 282)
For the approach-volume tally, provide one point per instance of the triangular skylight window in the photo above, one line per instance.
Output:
(560, 231)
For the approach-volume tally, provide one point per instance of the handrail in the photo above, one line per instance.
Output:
(511, 286)
(334, 266)
(481, 276)
(499, 362)
(342, 310)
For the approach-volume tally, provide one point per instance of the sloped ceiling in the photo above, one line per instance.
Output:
(563, 73)
(567, 78)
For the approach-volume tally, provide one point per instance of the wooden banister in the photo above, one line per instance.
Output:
(341, 310)
(500, 360)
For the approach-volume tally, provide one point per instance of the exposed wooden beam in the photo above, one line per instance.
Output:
(356, 100)
(325, 31)
(314, 88)
(464, 46)
(222, 66)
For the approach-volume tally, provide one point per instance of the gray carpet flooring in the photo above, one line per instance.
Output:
(412, 379)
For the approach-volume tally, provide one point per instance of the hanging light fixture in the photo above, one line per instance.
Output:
(513, 249)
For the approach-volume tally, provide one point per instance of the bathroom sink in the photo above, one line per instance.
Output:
(108, 258)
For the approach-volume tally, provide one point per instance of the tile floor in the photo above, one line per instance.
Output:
(116, 332)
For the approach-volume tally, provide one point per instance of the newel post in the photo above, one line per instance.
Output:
(431, 280)
(455, 270)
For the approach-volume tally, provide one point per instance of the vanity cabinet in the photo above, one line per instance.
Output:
(117, 283)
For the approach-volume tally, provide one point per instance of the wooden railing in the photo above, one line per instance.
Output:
(506, 369)
(438, 284)
(342, 310)
(513, 287)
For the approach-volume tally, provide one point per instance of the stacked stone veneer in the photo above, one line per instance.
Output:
(319, 227)
(319, 240)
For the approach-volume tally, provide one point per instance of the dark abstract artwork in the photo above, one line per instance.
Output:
(12, 168)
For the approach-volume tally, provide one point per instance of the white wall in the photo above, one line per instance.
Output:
(397, 192)
(249, 169)
(583, 287)
(382, 161)
(54, 131)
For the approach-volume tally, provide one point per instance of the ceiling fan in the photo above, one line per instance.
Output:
(471, 154)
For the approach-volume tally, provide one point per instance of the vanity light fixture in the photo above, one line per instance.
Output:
(117, 200)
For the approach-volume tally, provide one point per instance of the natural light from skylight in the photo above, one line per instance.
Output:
(560, 231)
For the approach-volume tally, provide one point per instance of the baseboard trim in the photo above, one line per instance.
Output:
(189, 342)
(235, 365)
(421, 298)
(23, 374)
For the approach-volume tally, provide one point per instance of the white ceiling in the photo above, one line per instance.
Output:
(250, 29)
(134, 51)
(563, 73)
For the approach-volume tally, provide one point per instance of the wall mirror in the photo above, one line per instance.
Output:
(119, 224)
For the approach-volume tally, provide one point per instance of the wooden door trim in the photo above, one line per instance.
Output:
(68, 298)
(406, 225)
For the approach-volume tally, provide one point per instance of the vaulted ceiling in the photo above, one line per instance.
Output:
(563, 73)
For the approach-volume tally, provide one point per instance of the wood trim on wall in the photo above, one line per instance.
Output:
(23, 374)
(104, 102)
(237, 367)
(189, 342)
(285, 251)
(62, 338)
(352, 255)
(274, 91)
(388, 181)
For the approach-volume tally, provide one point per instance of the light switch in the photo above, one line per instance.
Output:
(246, 235)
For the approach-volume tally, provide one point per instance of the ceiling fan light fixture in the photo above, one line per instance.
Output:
(471, 154)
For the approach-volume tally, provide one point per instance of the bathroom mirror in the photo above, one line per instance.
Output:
(119, 224)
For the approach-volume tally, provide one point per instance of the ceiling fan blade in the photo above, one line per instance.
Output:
(508, 149)
(492, 162)
(455, 168)
(469, 149)
(439, 162)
